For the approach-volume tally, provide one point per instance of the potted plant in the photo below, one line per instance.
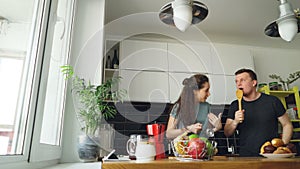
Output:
(93, 104)
(286, 83)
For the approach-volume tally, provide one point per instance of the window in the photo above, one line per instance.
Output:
(8, 102)
(32, 89)
(17, 79)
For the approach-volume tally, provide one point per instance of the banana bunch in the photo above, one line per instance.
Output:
(180, 144)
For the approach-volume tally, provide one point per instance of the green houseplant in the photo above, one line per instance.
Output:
(286, 83)
(93, 107)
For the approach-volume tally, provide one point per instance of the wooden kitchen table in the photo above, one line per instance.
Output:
(216, 163)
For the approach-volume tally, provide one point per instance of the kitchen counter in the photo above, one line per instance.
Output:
(217, 163)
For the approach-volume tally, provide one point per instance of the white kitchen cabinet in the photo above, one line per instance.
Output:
(143, 55)
(189, 57)
(222, 89)
(153, 71)
(147, 86)
(227, 59)
(176, 86)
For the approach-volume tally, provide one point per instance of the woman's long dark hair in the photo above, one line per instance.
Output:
(186, 110)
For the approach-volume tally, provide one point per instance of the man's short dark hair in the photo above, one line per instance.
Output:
(251, 73)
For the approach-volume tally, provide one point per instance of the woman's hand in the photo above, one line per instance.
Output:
(215, 121)
(195, 128)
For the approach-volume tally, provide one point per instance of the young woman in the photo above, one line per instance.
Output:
(191, 112)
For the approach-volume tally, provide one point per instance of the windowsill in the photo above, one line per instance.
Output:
(93, 165)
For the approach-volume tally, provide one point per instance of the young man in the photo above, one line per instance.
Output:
(257, 122)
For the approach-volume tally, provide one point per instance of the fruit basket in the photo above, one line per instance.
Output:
(188, 148)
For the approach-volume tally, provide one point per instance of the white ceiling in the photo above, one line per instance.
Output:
(238, 21)
(17, 11)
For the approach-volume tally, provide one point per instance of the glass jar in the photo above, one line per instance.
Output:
(273, 85)
(280, 87)
(261, 85)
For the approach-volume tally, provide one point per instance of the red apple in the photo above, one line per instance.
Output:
(196, 148)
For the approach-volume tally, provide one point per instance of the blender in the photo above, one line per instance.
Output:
(156, 134)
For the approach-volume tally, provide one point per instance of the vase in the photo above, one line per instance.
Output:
(286, 86)
(289, 86)
(88, 149)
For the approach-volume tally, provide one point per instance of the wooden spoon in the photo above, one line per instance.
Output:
(239, 95)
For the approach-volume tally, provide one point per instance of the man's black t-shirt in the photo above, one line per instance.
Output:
(260, 122)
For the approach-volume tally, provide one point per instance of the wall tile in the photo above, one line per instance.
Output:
(133, 117)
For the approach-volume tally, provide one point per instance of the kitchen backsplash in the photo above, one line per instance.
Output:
(133, 117)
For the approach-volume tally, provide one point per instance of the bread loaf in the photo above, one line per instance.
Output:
(277, 142)
(282, 150)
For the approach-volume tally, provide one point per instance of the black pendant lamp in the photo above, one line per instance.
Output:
(287, 25)
(183, 13)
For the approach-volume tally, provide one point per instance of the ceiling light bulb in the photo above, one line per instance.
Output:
(287, 22)
(288, 28)
(182, 14)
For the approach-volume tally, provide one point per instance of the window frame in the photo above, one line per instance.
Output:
(32, 149)
(53, 151)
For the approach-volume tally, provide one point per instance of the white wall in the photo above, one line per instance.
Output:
(282, 62)
(88, 20)
(87, 44)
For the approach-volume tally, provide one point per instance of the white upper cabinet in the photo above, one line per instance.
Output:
(145, 86)
(153, 71)
(176, 86)
(227, 59)
(143, 55)
(190, 57)
(222, 89)
(175, 83)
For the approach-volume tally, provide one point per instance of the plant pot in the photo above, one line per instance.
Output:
(88, 150)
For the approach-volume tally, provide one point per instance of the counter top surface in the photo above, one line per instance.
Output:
(217, 163)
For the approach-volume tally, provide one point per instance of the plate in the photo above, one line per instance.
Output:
(269, 155)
